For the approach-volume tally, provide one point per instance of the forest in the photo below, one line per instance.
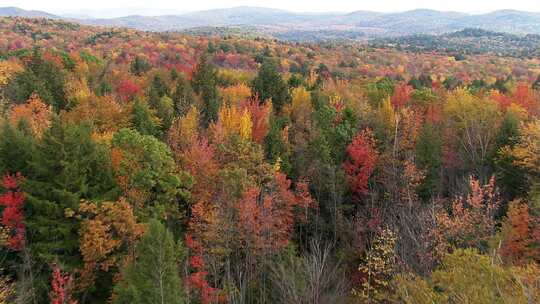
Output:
(467, 41)
(161, 167)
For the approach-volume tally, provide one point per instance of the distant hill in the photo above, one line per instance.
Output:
(416, 21)
(238, 16)
(312, 26)
(510, 21)
(17, 12)
(467, 42)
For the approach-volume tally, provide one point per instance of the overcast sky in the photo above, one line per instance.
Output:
(475, 6)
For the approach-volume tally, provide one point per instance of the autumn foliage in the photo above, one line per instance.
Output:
(34, 112)
(61, 284)
(361, 163)
(12, 216)
(218, 168)
(266, 221)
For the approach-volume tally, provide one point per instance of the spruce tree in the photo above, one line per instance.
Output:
(66, 167)
(429, 155)
(144, 119)
(270, 85)
(42, 77)
(16, 146)
(153, 276)
(204, 83)
(536, 84)
(183, 97)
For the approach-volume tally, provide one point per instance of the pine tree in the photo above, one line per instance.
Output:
(139, 66)
(41, 77)
(158, 89)
(204, 83)
(270, 85)
(429, 154)
(183, 97)
(153, 276)
(67, 165)
(16, 146)
(536, 84)
(144, 119)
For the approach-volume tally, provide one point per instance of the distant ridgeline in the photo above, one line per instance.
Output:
(466, 42)
(293, 26)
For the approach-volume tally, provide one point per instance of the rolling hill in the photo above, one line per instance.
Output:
(18, 12)
(469, 41)
(311, 26)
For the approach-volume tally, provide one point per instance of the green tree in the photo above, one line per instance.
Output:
(165, 112)
(536, 84)
(379, 91)
(204, 83)
(139, 66)
(270, 85)
(275, 146)
(465, 276)
(41, 77)
(153, 276)
(148, 174)
(67, 166)
(144, 119)
(429, 154)
(423, 81)
(509, 176)
(183, 97)
(158, 89)
(16, 148)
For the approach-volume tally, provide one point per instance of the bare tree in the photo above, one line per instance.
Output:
(312, 278)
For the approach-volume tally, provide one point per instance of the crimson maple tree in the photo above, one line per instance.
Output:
(362, 157)
(12, 216)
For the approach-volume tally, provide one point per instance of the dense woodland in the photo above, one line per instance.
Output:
(467, 41)
(147, 167)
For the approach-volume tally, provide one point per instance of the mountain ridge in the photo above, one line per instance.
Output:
(269, 21)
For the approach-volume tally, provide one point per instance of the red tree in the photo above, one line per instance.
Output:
(260, 117)
(525, 97)
(266, 220)
(197, 281)
(12, 216)
(361, 163)
(61, 287)
(516, 228)
(402, 95)
(127, 90)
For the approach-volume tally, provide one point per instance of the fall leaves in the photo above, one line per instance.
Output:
(361, 163)
(12, 215)
(108, 232)
(247, 157)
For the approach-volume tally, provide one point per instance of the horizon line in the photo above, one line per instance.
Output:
(176, 12)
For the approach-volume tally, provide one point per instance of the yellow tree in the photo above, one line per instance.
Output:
(107, 237)
(301, 107)
(184, 132)
(105, 114)
(35, 112)
(233, 121)
(473, 124)
(234, 95)
(526, 152)
(378, 269)
(465, 276)
(7, 70)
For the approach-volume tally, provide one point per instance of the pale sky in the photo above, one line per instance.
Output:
(175, 6)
